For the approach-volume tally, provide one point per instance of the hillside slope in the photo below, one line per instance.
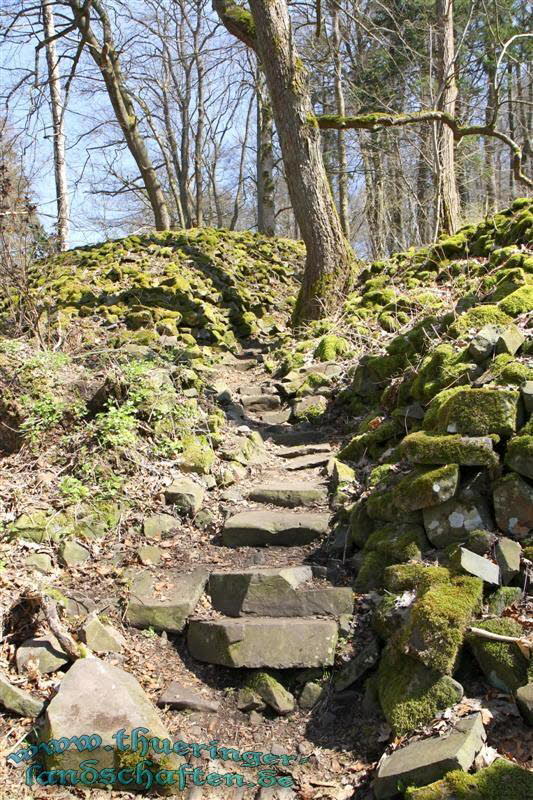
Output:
(213, 486)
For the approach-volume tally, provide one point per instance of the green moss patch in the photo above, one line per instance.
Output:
(422, 447)
(504, 664)
(474, 412)
(438, 621)
(410, 694)
(503, 780)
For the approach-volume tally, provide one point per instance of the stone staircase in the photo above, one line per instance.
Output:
(282, 616)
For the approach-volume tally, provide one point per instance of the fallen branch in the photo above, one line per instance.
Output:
(525, 644)
(73, 649)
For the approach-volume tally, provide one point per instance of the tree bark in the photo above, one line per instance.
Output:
(449, 205)
(342, 182)
(490, 174)
(58, 112)
(266, 216)
(330, 259)
(106, 58)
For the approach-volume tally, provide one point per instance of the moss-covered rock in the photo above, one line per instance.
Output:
(519, 455)
(476, 318)
(439, 619)
(410, 694)
(518, 302)
(330, 347)
(422, 447)
(371, 442)
(474, 412)
(391, 544)
(503, 779)
(504, 664)
(417, 577)
(426, 487)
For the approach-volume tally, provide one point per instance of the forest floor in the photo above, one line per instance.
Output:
(344, 735)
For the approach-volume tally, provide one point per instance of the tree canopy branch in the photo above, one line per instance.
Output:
(238, 21)
(385, 120)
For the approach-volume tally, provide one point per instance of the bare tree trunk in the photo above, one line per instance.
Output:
(511, 121)
(199, 135)
(490, 173)
(330, 259)
(342, 181)
(106, 58)
(240, 182)
(266, 216)
(58, 112)
(449, 198)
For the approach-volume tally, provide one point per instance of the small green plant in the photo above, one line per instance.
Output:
(117, 426)
(149, 633)
(73, 489)
(42, 414)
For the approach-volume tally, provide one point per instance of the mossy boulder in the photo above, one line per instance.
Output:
(198, 455)
(422, 447)
(476, 318)
(503, 779)
(443, 367)
(414, 577)
(474, 412)
(330, 347)
(410, 694)
(439, 619)
(504, 665)
(372, 442)
(513, 506)
(519, 455)
(391, 544)
(425, 487)
(518, 302)
(272, 692)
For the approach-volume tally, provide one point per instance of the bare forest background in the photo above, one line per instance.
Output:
(113, 113)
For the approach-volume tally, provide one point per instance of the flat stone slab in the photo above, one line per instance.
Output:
(357, 666)
(278, 592)
(95, 697)
(167, 607)
(524, 701)
(44, 651)
(261, 402)
(304, 450)
(298, 438)
(477, 565)
(279, 417)
(426, 761)
(308, 462)
(185, 494)
(289, 495)
(513, 506)
(285, 529)
(177, 697)
(263, 642)
(18, 702)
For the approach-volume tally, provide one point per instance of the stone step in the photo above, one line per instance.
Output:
(278, 643)
(164, 608)
(288, 495)
(261, 402)
(294, 438)
(308, 462)
(278, 528)
(278, 592)
(279, 417)
(304, 450)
